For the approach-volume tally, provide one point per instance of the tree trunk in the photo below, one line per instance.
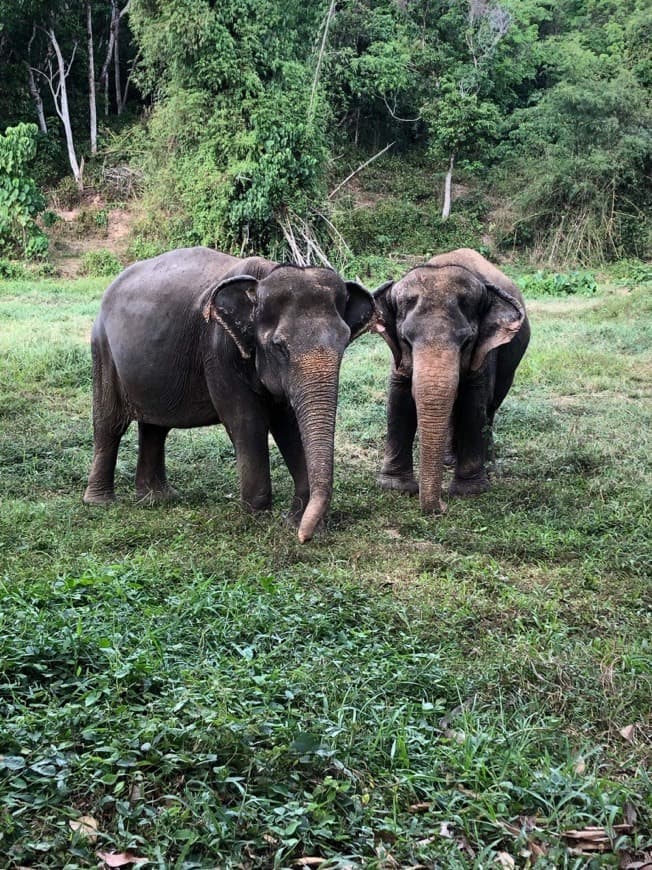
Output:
(38, 102)
(116, 65)
(104, 75)
(91, 79)
(34, 89)
(447, 189)
(61, 104)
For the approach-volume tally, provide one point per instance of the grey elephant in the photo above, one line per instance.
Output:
(457, 328)
(196, 337)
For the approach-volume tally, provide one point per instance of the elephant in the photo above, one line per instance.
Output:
(195, 337)
(457, 328)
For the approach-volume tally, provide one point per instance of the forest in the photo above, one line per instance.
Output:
(183, 683)
(519, 126)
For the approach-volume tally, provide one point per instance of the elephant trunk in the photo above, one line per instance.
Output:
(314, 399)
(434, 385)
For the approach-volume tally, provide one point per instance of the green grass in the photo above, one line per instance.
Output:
(214, 694)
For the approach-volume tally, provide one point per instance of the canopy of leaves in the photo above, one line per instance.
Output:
(241, 111)
(20, 200)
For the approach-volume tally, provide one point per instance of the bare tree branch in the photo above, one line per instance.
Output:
(56, 80)
(315, 81)
(359, 169)
(92, 105)
(34, 89)
(396, 117)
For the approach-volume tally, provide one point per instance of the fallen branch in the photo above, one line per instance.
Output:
(359, 169)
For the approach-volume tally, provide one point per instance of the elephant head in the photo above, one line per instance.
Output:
(293, 325)
(441, 321)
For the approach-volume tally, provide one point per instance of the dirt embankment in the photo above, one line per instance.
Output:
(92, 225)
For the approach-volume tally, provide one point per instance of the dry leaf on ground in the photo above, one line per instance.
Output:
(580, 766)
(593, 838)
(629, 813)
(85, 826)
(641, 863)
(627, 733)
(120, 859)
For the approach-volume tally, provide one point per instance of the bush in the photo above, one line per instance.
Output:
(99, 264)
(20, 199)
(91, 221)
(372, 269)
(144, 249)
(49, 218)
(553, 284)
(66, 194)
(405, 227)
(11, 271)
(633, 272)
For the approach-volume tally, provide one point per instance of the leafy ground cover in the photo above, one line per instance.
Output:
(403, 692)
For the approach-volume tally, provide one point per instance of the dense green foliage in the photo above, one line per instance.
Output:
(20, 200)
(239, 116)
(404, 690)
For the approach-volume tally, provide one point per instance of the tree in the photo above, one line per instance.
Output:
(585, 147)
(237, 138)
(92, 105)
(461, 126)
(56, 75)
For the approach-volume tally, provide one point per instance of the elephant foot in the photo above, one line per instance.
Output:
(257, 505)
(156, 495)
(400, 482)
(450, 460)
(439, 507)
(294, 516)
(467, 486)
(94, 496)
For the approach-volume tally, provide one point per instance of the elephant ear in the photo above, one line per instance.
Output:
(502, 320)
(360, 309)
(232, 304)
(386, 322)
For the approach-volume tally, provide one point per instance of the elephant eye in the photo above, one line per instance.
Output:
(279, 343)
(467, 338)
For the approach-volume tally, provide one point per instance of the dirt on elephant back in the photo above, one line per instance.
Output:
(90, 226)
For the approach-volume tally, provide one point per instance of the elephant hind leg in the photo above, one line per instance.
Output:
(151, 479)
(110, 422)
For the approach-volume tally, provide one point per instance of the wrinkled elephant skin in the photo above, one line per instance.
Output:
(195, 337)
(457, 329)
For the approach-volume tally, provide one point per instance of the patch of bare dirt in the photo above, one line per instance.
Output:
(89, 226)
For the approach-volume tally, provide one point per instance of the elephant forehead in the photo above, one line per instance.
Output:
(438, 286)
(298, 294)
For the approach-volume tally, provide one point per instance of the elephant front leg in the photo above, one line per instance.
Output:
(286, 433)
(250, 439)
(472, 437)
(151, 479)
(397, 471)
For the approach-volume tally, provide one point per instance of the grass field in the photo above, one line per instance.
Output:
(405, 691)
